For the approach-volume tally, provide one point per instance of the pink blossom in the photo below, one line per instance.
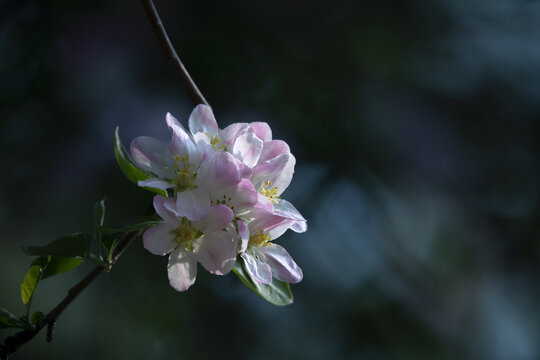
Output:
(193, 231)
(264, 259)
(175, 164)
(227, 187)
(270, 161)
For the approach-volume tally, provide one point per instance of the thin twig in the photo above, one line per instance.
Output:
(171, 54)
(77, 289)
(12, 343)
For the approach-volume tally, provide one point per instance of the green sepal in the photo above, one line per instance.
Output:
(126, 163)
(277, 293)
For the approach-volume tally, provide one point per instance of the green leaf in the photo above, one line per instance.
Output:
(144, 223)
(8, 320)
(109, 242)
(277, 293)
(41, 268)
(29, 284)
(31, 279)
(59, 265)
(132, 172)
(37, 317)
(72, 245)
(41, 261)
(76, 245)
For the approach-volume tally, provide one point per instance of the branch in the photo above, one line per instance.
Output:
(13, 343)
(171, 54)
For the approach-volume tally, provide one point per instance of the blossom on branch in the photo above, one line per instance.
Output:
(225, 187)
(193, 231)
(262, 257)
(173, 165)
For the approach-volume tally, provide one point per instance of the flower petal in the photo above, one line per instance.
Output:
(278, 171)
(262, 207)
(273, 148)
(201, 137)
(230, 133)
(262, 130)
(299, 226)
(283, 266)
(202, 120)
(159, 240)
(247, 148)
(244, 197)
(287, 210)
(152, 155)
(259, 271)
(182, 269)
(203, 145)
(165, 209)
(181, 143)
(219, 173)
(271, 224)
(243, 232)
(217, 252)
(155, 183)
(216, 219)
(193, 204)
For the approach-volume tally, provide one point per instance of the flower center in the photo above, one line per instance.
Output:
(185, 233)
(270, 192)
(259, 239)
(226, 200)
(215, 141)
(185, 172)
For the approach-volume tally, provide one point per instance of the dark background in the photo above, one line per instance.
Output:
(415, 128)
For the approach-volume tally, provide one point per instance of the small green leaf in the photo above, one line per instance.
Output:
(31, 279)
(109, 243)
(8, 320)
(277, 293)
(29, 284)
(37, 317)
(59, 265)
(76, 245)
(132, 172)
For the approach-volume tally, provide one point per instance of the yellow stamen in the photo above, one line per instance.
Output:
(185, 233)
(226, 201)
(270, 193)
(259, 239)
(215, 141)
(185, 172)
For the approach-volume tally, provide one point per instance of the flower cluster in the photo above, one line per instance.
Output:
(224, 199)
